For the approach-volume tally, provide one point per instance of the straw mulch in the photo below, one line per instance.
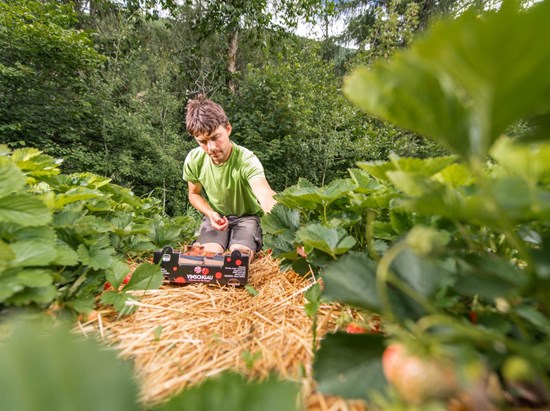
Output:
(181, 335)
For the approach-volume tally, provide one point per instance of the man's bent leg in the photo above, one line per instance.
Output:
(212, 240)
(243, 249)
(246, 234)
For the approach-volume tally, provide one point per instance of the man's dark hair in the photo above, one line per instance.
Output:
(204, 116)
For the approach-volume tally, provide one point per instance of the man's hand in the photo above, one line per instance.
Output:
(218, 222)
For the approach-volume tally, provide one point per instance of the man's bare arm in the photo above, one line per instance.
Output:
(263, 192)
(198, 201)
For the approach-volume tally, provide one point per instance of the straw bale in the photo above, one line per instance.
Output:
(181, 335)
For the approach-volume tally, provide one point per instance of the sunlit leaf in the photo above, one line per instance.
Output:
(364, 182)
(377, 169)
(455, 175)
(282, 222)
(75, 194)
(94, 256)
(35, 163)
(302, 195)
(458, 85)
(12, 180)
(528, 161)
(25, 210)
(145, 277)
(117, 271)
(33, 253)
(333, 241)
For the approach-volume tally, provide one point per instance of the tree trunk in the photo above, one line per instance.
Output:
(232, 59)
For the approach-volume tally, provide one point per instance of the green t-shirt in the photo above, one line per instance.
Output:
(226, 185)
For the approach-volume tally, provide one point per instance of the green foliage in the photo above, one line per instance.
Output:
(45, 66)
(62, 236)
(231, 392)
(46, 367)
(439, 238)
(292, 114)
(350, 366)
(475, 92)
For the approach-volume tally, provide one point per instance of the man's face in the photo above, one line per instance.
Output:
(217, 144)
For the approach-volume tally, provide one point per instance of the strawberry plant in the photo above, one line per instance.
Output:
(63, 236)
(426, 243)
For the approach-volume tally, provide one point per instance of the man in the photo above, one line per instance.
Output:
(232, 178)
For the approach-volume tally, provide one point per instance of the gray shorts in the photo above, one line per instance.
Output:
(245, 230)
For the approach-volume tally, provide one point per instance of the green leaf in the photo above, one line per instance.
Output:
(455, 175)
(6, 255)
(34, 277)
(283, 223)
(90, 225)
(424, 275)
(401, 220)
(528, 161)
(364, 183)
(33, 253)
(333, 241)
(281, 248)
(231, 392)
(65, 256)
(377, 169)
(121, 301)
(145, 277)
(352, 280)
(422, 166)
(251, 290)
(458, 85)
(313, 296)
(302, 195)
(336, 189)
(280, 220)
(535, 317)
(38, 295)
(66, 217)
(95, 257)
(75, 194)
(163, 233)
(13, 180)
(89, 377)
(489, 277)
(412, 184)
(25, 210)
(9, 285)
(350, 365)
(116, 273)
(35, 163)
(82, 305)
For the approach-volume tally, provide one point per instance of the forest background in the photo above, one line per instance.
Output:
(102, 84)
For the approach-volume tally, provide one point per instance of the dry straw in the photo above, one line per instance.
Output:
(181, 335)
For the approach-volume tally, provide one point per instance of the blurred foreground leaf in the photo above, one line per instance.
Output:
(45, 368)
(230, 392)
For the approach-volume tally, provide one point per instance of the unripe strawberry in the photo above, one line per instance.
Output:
(417, 379)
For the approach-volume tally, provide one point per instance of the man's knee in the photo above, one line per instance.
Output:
(213, 247)
(243, 249)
